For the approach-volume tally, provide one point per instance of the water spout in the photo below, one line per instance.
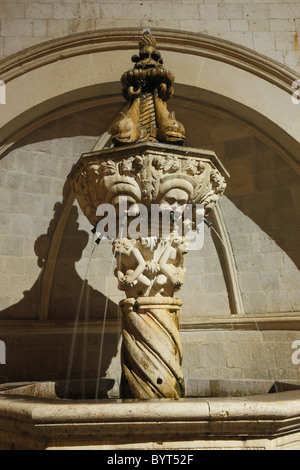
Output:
(210, 225)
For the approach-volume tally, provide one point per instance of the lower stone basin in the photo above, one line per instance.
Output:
(34, 416)
(109, 388)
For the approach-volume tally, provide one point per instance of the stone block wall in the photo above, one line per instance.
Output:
(270, 27)
(33, 178)
(260, 210)
(233, 355)
(207, 354)
(59, 353)
(261, 213)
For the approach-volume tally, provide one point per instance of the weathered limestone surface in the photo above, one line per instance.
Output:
(270, 27)
(147, 168)
(151, 348)
(260, 422)
(150, 267)
(264, 237)
(261, 217)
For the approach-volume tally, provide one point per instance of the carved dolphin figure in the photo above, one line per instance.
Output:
(169, 129)
(126, 130)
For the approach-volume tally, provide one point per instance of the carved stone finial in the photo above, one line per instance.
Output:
(148, 86)
(147, 40)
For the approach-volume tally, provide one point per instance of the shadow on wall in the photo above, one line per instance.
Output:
(261, 185)
(72, 300)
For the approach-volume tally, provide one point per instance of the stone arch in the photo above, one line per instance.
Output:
(207, 70)
(86, 66)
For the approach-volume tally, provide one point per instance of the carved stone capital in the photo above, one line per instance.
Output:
(147, 173)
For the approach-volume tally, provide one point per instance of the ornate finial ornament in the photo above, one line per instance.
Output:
(147, 39)
(148, 86)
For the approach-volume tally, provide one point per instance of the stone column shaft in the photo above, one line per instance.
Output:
(151, 348)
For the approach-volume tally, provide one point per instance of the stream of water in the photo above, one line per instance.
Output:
(76, 323)
(103, 326)
(84, 302)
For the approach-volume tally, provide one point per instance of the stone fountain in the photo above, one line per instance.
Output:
(148, 194)
(150, 180)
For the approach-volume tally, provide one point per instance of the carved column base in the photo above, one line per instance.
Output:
(151, 349)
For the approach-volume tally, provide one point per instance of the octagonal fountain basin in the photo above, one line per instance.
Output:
(35, 416)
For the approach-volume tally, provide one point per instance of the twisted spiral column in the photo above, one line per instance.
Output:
(147, 118)
(151, 348)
